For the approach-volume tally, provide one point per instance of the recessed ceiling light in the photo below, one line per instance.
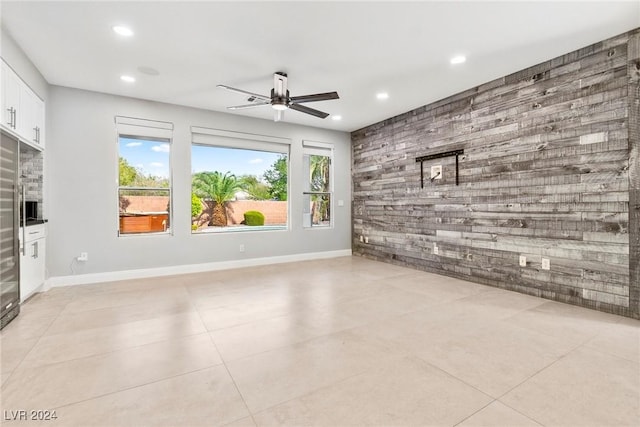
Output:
(336, 118)
(382, 95)
(123, 31)
(127, 79)
(458, 59)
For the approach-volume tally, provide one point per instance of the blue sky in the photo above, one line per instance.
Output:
(152, 157)
(238, 162)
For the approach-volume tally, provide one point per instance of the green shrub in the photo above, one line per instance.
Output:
(253, 218)
(196, 205)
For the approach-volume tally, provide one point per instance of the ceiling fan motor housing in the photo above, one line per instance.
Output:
(279, 102)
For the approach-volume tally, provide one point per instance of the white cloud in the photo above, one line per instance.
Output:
(255, 161)
(156, 164)
(133, 144)
(162, 148)
(139, 165)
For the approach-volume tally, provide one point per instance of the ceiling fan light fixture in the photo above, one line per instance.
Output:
(279, 106)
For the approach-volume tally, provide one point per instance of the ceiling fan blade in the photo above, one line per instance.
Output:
(315, 97)
(280, 84)
(308, 110)
(243, 107)
(278, 115)
(244, 92)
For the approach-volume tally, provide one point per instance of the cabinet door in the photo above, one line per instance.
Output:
(10, 97)
(27, 114)
(32, 267)
(39, 117)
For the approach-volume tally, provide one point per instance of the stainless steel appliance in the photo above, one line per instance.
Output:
(9, 227)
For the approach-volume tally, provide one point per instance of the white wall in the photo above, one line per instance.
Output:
(81, 178)
(22, 65)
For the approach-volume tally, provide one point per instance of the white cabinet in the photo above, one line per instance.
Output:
(32, 259)
(22, 110)
(31, 123)
(10, 97)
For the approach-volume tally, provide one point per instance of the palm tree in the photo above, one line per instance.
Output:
(219, 188)
(319, 172)
(319, 167)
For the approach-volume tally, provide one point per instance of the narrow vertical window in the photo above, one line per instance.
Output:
(318, 187)
(144, 176)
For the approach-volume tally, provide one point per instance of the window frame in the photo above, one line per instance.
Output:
(151, 131)
(313, 148)
(220, 138)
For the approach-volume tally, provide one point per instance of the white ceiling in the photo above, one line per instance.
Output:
(354, 48)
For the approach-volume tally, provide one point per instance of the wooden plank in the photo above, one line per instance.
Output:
(634, 172)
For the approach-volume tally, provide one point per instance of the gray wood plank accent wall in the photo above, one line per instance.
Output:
(551, 169)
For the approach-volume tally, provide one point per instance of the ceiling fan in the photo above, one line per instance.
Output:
(280, 99)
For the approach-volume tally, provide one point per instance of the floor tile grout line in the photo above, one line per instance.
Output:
(306, 340)
(521, 413)
(117, 306)
(586, 346)
(116, 350)
(404, 354)
(561, 357)
(233, 380)
(309, 393)
(471, 415)
(39, 338)
(449, 374)
(136, 386)
(153, 317)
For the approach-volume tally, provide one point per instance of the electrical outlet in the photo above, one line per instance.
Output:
(435, 249)
(366, 239)
(546, 264)
(84, 256)
(361, 239)
(523, 261)
(436, 172)
(241, 248)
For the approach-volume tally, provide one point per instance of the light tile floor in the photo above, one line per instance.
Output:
(345, 341)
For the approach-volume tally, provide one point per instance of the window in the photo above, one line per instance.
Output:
(144, 176)
(317, 191)
(239, 182)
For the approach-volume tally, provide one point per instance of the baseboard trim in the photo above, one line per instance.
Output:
(110, 276)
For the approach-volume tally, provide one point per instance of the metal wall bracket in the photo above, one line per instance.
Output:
(438, 156)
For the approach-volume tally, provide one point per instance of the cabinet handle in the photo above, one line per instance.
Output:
(38, 127)
(24, 220)
(35, 138)
(35, 250)
(12, 117)
(15, 113)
